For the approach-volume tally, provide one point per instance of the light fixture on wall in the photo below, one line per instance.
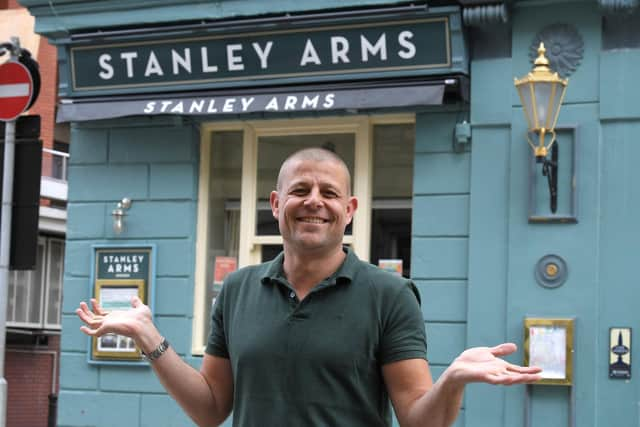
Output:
(119, 213)
(541, 92)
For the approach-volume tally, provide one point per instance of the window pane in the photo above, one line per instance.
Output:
(22, 285)
(273, 150)
(393, 154)
(11, 303)
(224, 212)
(56, 264)
(37, 286)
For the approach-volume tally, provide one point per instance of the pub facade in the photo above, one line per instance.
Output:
(182, 112)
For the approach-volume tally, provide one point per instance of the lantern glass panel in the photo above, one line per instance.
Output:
(557, 100)
(527, 103)
(543, 95)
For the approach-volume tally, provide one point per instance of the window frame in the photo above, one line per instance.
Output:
(43, 282)
(250, 244)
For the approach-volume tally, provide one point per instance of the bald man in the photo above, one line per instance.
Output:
(315, 337)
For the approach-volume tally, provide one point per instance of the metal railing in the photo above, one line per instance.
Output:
(55, 164)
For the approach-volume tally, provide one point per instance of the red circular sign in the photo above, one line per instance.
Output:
(16, 90)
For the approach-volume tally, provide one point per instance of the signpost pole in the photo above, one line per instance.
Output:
(5, 243)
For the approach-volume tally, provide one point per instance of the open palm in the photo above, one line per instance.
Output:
(122, 322)
(483, 364)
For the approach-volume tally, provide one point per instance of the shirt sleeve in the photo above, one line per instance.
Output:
(217, 342)
(403, 334)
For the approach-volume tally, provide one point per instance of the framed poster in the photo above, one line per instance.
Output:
(548, 343)
(116, 295)
(118, 274)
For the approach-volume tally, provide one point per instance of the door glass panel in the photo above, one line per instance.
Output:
(224, 212)
(273, 150)
(393, 153)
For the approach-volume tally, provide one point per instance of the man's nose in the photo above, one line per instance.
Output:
(314, 198)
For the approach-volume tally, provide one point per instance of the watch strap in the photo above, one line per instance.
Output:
(158, 351)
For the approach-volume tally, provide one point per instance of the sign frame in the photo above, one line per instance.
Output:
(124, 348)
(139, 282)
(553, 350)
(125, 65)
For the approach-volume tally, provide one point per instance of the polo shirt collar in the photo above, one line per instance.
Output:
(344, 274)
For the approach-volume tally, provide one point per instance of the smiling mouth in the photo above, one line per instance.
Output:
(313, 220)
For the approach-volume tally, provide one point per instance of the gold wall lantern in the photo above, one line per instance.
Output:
(541, 92)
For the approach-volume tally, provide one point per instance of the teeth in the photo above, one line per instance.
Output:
(313, 220)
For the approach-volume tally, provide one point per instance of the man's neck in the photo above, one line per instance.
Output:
(304, 271)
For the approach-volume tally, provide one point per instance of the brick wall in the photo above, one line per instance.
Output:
(29, 373)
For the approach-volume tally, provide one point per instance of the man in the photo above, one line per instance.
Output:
(315, 337)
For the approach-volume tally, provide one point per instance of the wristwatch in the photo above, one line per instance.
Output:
(159, 351)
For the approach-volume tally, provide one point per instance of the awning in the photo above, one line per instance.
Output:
(265, 100)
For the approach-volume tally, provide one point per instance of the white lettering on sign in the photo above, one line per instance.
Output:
(403, 40)
(153, 66)
(123, 264)
(310, 102)
(231, 57)
(128, 57)
(309, 55)
(339, 49)
(380, 47)
(206, 68)
(228, 105)
(178, 61)
(105, 65)
(234, 63)
(246, 103)
(263, 53)
(241, 104)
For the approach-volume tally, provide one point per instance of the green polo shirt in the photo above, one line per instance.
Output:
(315, 362)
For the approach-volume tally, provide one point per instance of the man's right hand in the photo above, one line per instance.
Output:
(122, 322)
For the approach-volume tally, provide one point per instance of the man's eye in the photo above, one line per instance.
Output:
(298, 191)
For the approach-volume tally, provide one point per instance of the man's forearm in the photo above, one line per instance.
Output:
(184, 383)
(438, 407)
(189, 388)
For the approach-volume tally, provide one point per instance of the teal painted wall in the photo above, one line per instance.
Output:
(618, 290)
(503, 247)
(474, 251)
(155, 163)
(440, 236)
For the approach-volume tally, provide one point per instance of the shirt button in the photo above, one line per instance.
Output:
(292, 295)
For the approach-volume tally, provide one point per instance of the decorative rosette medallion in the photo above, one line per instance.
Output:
(565, 48)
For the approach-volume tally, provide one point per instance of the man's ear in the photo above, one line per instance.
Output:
(275, 203)
(352, 206)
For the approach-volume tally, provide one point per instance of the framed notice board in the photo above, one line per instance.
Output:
(548, 344)
(118, 274)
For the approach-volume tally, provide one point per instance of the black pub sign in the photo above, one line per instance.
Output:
(357, 50)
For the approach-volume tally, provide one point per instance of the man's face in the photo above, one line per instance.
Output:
(313, 205)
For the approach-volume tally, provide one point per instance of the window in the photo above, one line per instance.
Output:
(393, 148)
(238, 170)
(35, 296)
